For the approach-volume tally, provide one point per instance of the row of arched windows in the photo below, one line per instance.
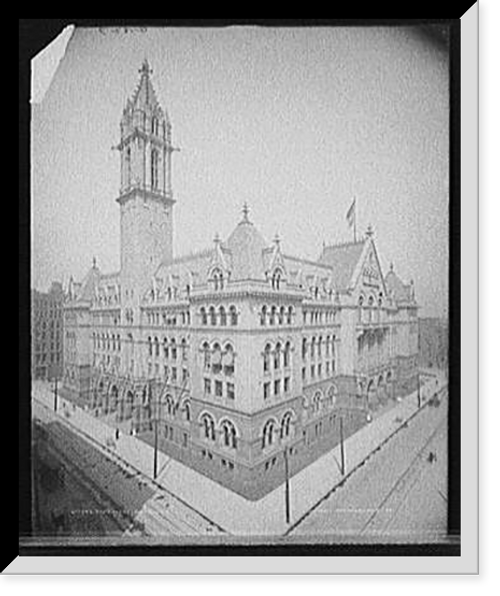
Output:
(320, 400)
(272, 429)
(217, 359)
(314, 347)
(170, 348)
(219, 316)
(105, 341)
(168, 319)
(227, 429)
(276, 316)
(277, 358)
(369, 310)
(318, 317)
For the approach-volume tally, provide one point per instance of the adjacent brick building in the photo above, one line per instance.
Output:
(47, 333)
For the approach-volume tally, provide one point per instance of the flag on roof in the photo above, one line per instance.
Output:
(351, 214)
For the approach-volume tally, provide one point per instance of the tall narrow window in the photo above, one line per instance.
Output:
(154, 168)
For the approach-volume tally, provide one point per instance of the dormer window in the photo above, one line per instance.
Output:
(218, 279)
(276, 279)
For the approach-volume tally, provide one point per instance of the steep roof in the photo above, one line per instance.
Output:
(144, 95)
(88, 285)
(342, 260)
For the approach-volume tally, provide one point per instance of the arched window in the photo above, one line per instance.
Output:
(187, 411)
(277, 356)
(157, 347)
(281, 316)
(228, 360)
(332, 395)
(289, 315)
(208, 425)
(127, 167)
(218, 279)
(276, 279)
(203, 313)
(154, 168)
(320, 341)
(233, 315)
(267, 357)
(173, 349)
(263, 315)
(268, 434)
(228, 434)
(183, 348)
(370, 308)
(313, 347)
(170, 405)
(360, 305)
(285, 425)
(212, 315)
(223, 316)
(154, 126)
(304, 348)
(165, 347)
(206, 356)
(216, 358)
(150, 346)
(316, 402)
(286, 355)
(272, 317)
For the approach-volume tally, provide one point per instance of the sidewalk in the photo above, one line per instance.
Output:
(229, 510)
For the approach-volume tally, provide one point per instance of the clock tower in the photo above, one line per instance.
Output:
(146, 198)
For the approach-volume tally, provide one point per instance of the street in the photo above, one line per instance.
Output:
(400, 491)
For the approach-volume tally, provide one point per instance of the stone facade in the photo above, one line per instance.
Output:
(239, 356)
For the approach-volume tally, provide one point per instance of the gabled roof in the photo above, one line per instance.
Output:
(342, 260)
(87, 288)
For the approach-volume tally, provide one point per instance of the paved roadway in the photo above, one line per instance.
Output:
(154, 510)
(398, 493)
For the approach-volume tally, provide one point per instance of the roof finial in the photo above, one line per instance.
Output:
(245, 212)
(391, 267)
(369, 231)
(94, 263)
(217, 238)
(145, 69)
(277, 239)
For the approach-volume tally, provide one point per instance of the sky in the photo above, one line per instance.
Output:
(295, 122)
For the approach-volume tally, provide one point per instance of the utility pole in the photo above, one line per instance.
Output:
(155, 461)
(287, 487)
(419, 398)
(55, 393)
(342, 454)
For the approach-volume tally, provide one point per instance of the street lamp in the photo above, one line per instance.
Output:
(287, 487)
(342, 453)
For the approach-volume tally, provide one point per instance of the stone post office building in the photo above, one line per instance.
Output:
(240, 356)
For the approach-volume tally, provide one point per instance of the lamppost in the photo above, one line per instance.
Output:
(287, 486)
(55, 393)
(342, 453)
(419, 397)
